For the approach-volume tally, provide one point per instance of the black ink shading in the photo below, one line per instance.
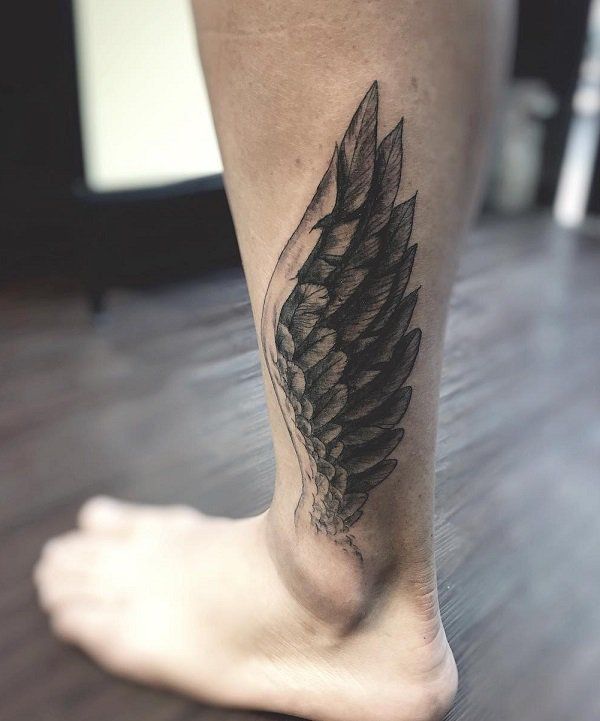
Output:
(335, 326)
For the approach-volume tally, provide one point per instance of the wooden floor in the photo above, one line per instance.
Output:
(164, 402)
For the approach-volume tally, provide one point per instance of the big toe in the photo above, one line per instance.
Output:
(73, 567)
(82, 624)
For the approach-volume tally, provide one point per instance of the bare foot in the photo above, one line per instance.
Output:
(170, 597)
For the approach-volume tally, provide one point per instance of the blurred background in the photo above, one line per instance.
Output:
(128, 361)
(106, 130)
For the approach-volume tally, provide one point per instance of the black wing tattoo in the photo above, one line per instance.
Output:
(335, 325)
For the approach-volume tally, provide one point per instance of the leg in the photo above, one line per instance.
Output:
(336, 617)
(284, 86)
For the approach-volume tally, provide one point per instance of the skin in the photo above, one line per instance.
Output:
(264, 612)
(444, 82)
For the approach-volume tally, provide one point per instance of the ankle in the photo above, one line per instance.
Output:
(392, 617)
(327, 583)
(343, 591)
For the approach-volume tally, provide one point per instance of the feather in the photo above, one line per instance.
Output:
(285, 342)
(362, 435)
(344, 348)
(318, 344)
(382, 348)
(326, 373)
(304, 309)
(337, 240)
(397, 293)
(329, 432)
(331, 404)
(364, 482)
(353, 502)
(347, 283)
(357, 152)
(359, 458)
(400, 228)
(340, 480)
(390, 411)
(387, 179)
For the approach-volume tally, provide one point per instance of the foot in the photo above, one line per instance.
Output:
(170, 597)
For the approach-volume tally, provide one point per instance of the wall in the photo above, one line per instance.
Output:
(144, 109)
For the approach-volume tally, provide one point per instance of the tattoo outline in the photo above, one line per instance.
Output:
(335, 325)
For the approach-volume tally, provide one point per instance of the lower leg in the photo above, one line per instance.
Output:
(285, 80)
(326, 605)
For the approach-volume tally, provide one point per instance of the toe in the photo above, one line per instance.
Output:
(107, 515)
(82, 624)
(60, 579)
(76, 565)
(73, 550)
(78, 553)
(58, 585)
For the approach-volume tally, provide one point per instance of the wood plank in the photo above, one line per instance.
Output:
(164, 403)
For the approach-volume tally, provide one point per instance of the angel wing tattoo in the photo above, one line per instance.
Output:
(335, 325)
